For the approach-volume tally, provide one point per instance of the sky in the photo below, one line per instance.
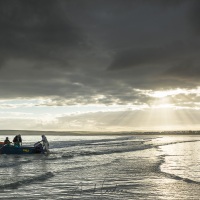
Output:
(100, 65)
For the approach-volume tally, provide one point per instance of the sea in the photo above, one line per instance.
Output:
(132, 167)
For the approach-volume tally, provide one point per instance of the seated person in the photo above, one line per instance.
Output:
(7, 141)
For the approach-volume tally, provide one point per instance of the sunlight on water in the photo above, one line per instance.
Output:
(183, 160)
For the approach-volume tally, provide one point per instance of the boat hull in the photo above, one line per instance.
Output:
(8, 149)
(1, 144)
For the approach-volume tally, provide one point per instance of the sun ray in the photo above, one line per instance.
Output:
(171, 109)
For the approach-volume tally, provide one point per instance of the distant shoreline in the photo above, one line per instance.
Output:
(90, 133)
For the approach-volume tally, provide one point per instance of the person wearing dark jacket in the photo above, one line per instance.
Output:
(17, 140)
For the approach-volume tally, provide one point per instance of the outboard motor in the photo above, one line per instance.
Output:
(38, 147)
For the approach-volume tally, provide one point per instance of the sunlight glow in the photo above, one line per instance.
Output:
(174, 92)
(165, 93)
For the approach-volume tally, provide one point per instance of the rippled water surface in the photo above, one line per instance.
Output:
(105, 167)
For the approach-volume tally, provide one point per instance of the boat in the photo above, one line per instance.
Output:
(38, 148)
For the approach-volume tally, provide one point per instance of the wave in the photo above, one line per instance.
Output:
(170, 175)
(116, 150)
(71, 155)
(88, 153)
(118, 141)
(17, 184)
(178, 142)
(124, 150)
(13, 164)
(67, 156)
(173, 176)
(157, 169)
(62, 154)
(64, 144)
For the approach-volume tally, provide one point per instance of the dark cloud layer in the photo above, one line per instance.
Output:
(77, 49)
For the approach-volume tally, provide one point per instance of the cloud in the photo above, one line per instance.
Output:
(97, 52)
(194, 16)
(186, 71)
(36, 31)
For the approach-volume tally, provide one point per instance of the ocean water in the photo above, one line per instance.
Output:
(105, 167)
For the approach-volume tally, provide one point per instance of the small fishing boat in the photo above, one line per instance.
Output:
(38, 148)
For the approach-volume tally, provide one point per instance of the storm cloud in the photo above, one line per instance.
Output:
(92, 51)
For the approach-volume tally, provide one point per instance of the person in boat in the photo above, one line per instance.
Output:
(7, 141)
(45, 143)
(17, 141)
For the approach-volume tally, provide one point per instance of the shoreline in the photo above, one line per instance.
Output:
(90, 133)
